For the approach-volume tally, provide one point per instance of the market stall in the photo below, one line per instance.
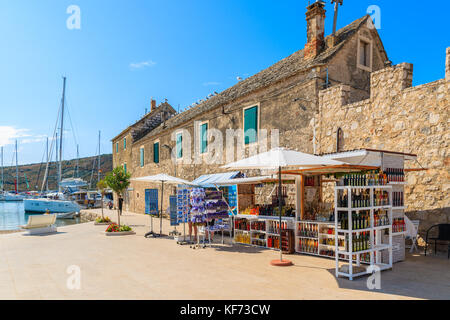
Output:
(361, 222)
(256, 218)
(207, 206)
(351, 210)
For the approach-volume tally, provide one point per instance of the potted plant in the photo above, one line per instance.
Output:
(103, 221)
(118, 180)
(116, 230)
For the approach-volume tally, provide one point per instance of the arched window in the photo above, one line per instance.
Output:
(339, 140)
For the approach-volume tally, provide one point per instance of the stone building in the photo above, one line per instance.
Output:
(397, 117)
(349, 65)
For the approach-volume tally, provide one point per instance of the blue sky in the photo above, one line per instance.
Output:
(129, 51)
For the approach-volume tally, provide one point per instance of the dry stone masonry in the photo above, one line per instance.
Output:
(342, 81)
(402, 118)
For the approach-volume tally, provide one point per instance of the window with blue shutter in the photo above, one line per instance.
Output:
(204, 138)
(125, 167)
(117, 147)
(179, 146)
(125, 144)
(156, 152)
(142, 157)
(251, 125)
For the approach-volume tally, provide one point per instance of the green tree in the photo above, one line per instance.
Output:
(102, 186)
(118, 180)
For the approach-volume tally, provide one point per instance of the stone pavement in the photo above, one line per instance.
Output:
(132, 267)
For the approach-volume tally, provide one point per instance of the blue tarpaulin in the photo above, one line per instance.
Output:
(209, 180)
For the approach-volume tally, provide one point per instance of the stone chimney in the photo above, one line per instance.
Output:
(447, 65)
(315, 18)
(153, 105)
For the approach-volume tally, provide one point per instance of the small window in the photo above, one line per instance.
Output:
(142, 157)
(339, 140)
(156, 152)
(125, 144)
(179, 146)
(117, 147)
(364, 53)
(204, 138)
(125, 167)
(251, 125)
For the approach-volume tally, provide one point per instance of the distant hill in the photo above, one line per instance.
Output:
(32, 171)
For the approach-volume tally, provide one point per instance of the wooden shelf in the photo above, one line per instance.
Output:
(376, 248)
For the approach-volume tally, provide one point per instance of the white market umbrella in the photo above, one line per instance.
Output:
(277, 159)
(283, 158)
(163, 178)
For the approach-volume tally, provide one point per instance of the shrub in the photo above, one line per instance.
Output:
(113, 228)
(103, 220)
(125, 229)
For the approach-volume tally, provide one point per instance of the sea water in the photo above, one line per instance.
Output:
(12, 216)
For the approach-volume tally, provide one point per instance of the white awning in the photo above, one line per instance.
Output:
(210, 180)
(254, 180)
(283, 158)
(163, 178)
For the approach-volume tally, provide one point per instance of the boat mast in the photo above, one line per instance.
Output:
(45, 181)
(17, 171)
(99, 156)
(46, 169)
(78, 162)
(61, 135)
(56, 159)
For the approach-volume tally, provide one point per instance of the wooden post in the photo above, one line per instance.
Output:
(302, 199)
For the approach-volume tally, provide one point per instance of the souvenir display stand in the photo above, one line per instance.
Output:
(201, 206)
(365, 224)
(183, 211)
(258, 224)
(216, 210)
(358, 221)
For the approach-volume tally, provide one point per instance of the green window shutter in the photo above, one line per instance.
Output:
(204, 138)
(156, 152)
(142, 157)
(124, 143)
(117, 147)
(125, 167)
(251, 125)
(179, 146)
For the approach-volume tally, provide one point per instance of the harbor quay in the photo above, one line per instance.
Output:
(80, 262)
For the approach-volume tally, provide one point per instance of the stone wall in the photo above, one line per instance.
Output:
(288, 105)
(398, 117)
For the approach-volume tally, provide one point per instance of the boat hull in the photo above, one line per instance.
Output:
(13, 198)
(53, 206)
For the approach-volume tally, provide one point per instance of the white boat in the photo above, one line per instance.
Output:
(50, 205)
(13, 197)
(67, 215)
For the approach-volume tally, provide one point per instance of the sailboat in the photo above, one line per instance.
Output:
(58, 202)
(14, 196)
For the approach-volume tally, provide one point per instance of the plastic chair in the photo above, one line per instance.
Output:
(443, 235)
(412, 231)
